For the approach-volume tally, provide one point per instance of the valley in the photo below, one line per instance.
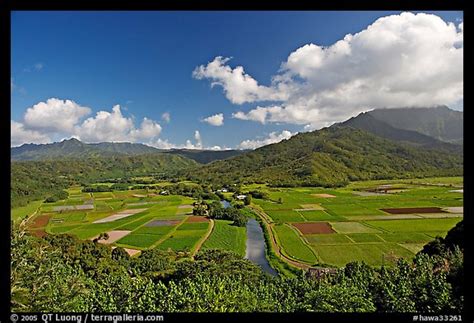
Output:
(377, 222)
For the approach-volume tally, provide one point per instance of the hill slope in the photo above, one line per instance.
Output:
(367, 122)
(73, 148)
(31, 180)
(330, 157)
(206, 156)
(439, 122)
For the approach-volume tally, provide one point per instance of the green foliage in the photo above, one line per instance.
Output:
(330, 157)
(35, 180)
(454, 238)
(63, 274)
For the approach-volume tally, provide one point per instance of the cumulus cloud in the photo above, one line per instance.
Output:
(113, 126)
(216, 120)
(238, 86)
(55, 115)
(399, 60)
(20, 135)
(197, 137)
(272, 138)
(166, 117)
(57, 118)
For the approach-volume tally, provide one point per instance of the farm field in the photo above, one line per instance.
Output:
(226, 236)
(134, 219)
(372, 221)
(313, 226)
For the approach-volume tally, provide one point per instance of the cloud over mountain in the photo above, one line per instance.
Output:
(399, 60)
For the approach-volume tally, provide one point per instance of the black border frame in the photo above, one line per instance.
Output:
(6, 7)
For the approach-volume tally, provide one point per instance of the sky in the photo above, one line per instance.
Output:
(223, 80)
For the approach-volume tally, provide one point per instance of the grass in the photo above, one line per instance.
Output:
(364, 237)
(227, 237)
(21, 212)
(416, 225)
(327, 238)
(406, 237)
(352, 227)
(193, 226)
(293, 245)
(158, 230)
(350, 215)
(317, 215)
(371, 253)
(139, 241)
(180, 241)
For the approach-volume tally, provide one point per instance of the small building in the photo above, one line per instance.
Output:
(241, 197)
(164, 193)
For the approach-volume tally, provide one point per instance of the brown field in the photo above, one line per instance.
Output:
(196, 218)
(313, 227)
(410, 210)
(160, 223)
(40, 222)
(323, 195)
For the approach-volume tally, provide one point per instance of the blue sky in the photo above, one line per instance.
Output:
(144, 62)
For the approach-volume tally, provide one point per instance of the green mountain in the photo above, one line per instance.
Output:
(331, 157)
(206, 156)
(366, 121)
(73, 148)
(439, 122)
(32, 180)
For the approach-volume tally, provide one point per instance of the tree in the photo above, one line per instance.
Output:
(248, 199)
(101, 236)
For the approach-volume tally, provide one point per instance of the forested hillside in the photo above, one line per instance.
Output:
(331, 157)
(31, 180)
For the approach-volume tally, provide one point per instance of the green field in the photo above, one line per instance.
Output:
(293, 245)
(363, 230)
(24, 211)
(227, 237)
(156, 207)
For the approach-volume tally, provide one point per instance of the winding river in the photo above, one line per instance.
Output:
(255, 244)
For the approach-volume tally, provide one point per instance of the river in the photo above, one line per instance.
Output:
(256, 247)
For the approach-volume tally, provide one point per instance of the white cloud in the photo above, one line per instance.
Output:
(239, 87)
(166, 117)
(399, 60)
(113, 126)
(38, 66)
(20, 135)
(148, 129)
(55, 115)
(215, 120)
(197, 137)
(273, 137)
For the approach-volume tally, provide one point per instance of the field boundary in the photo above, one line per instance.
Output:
(199, 244)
